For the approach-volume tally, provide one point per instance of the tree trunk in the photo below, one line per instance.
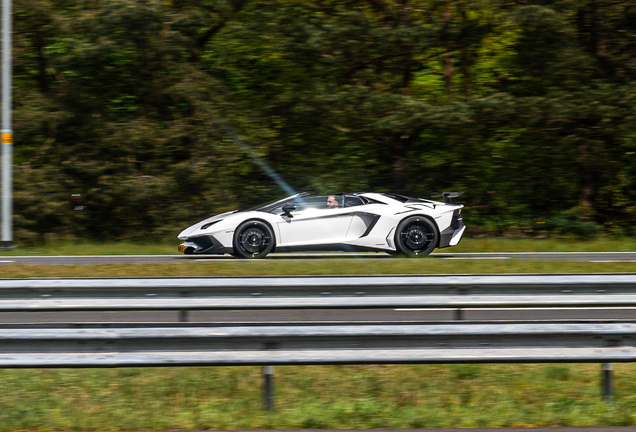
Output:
(595, 30)
(466, 58)
(448, 56)
(587, 177)
(408, 60)
(398, 155)
(38, 44)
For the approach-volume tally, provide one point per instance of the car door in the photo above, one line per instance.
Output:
(313, 223)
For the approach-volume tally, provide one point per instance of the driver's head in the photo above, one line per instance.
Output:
(332, 202)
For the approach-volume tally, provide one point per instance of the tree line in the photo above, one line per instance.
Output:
(134, 118)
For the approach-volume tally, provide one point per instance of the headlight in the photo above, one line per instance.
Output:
(208, 225)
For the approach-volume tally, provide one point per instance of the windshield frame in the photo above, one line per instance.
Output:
(268, 207)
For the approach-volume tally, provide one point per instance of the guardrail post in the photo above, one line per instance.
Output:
(608, 390)
(184, 316)
(268, 387)
(458, 314)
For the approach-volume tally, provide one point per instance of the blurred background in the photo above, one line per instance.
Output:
(125, 110)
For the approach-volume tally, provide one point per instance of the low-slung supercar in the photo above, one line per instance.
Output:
(358, 221)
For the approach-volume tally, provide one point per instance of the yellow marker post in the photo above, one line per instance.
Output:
(6, 133)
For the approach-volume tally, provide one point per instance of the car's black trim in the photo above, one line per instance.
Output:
(457, 221)
(326, 216)
(333, 247)
(446, 236)
(374, 221)
(406, 211)
(209, 224)
(203, 242)
(208, 245)
(372, 201)
(449, 197)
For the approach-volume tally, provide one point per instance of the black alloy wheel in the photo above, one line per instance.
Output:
(253, 239)
(416, 236)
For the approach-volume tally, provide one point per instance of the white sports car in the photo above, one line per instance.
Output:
(358, 221)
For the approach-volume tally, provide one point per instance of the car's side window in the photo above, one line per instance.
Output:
(314, 202)
(321, 202)
(352, 201)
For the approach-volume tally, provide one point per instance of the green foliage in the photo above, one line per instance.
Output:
(527, 106)
(570, 223)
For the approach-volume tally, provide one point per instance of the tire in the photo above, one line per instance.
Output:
(416, 236)
(253, 239)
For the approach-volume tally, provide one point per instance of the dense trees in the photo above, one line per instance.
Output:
(157, 112)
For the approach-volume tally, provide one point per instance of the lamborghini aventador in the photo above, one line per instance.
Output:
(358, 221)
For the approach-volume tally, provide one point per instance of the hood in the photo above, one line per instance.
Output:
(192, 229)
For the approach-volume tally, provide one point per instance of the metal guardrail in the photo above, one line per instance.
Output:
(345, 292)
(318, 344)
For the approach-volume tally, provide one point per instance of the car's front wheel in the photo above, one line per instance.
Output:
(416, 236)
(253, 239)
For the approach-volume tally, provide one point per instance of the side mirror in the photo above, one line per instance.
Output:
(288, 209)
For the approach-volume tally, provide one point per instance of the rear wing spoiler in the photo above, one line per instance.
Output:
(449, 197)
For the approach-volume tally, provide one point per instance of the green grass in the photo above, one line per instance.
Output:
(562, 244)
(379, 396)
(348, 266)
(79, 247)
(169, 247)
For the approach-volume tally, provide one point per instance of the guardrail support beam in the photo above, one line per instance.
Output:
(607, 382)
(268, 387)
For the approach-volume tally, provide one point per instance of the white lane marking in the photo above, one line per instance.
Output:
(613, 261)
(521, 308)
(440, 254)
(529, 253)
(223, 259)
(97, 256)
(477, 258)
(7, 261)
(423, 309)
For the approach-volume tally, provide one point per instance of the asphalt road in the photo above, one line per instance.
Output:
(109, 259)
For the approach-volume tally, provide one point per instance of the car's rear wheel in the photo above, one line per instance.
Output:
(416, 236)
(253, 239)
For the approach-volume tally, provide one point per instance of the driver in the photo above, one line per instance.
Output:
(332, 202)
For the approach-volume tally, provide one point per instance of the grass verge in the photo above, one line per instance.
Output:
(562, 244)
(496, 244)
(358, 266)
(378, 396)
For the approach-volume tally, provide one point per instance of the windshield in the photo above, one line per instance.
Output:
(274, 206)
